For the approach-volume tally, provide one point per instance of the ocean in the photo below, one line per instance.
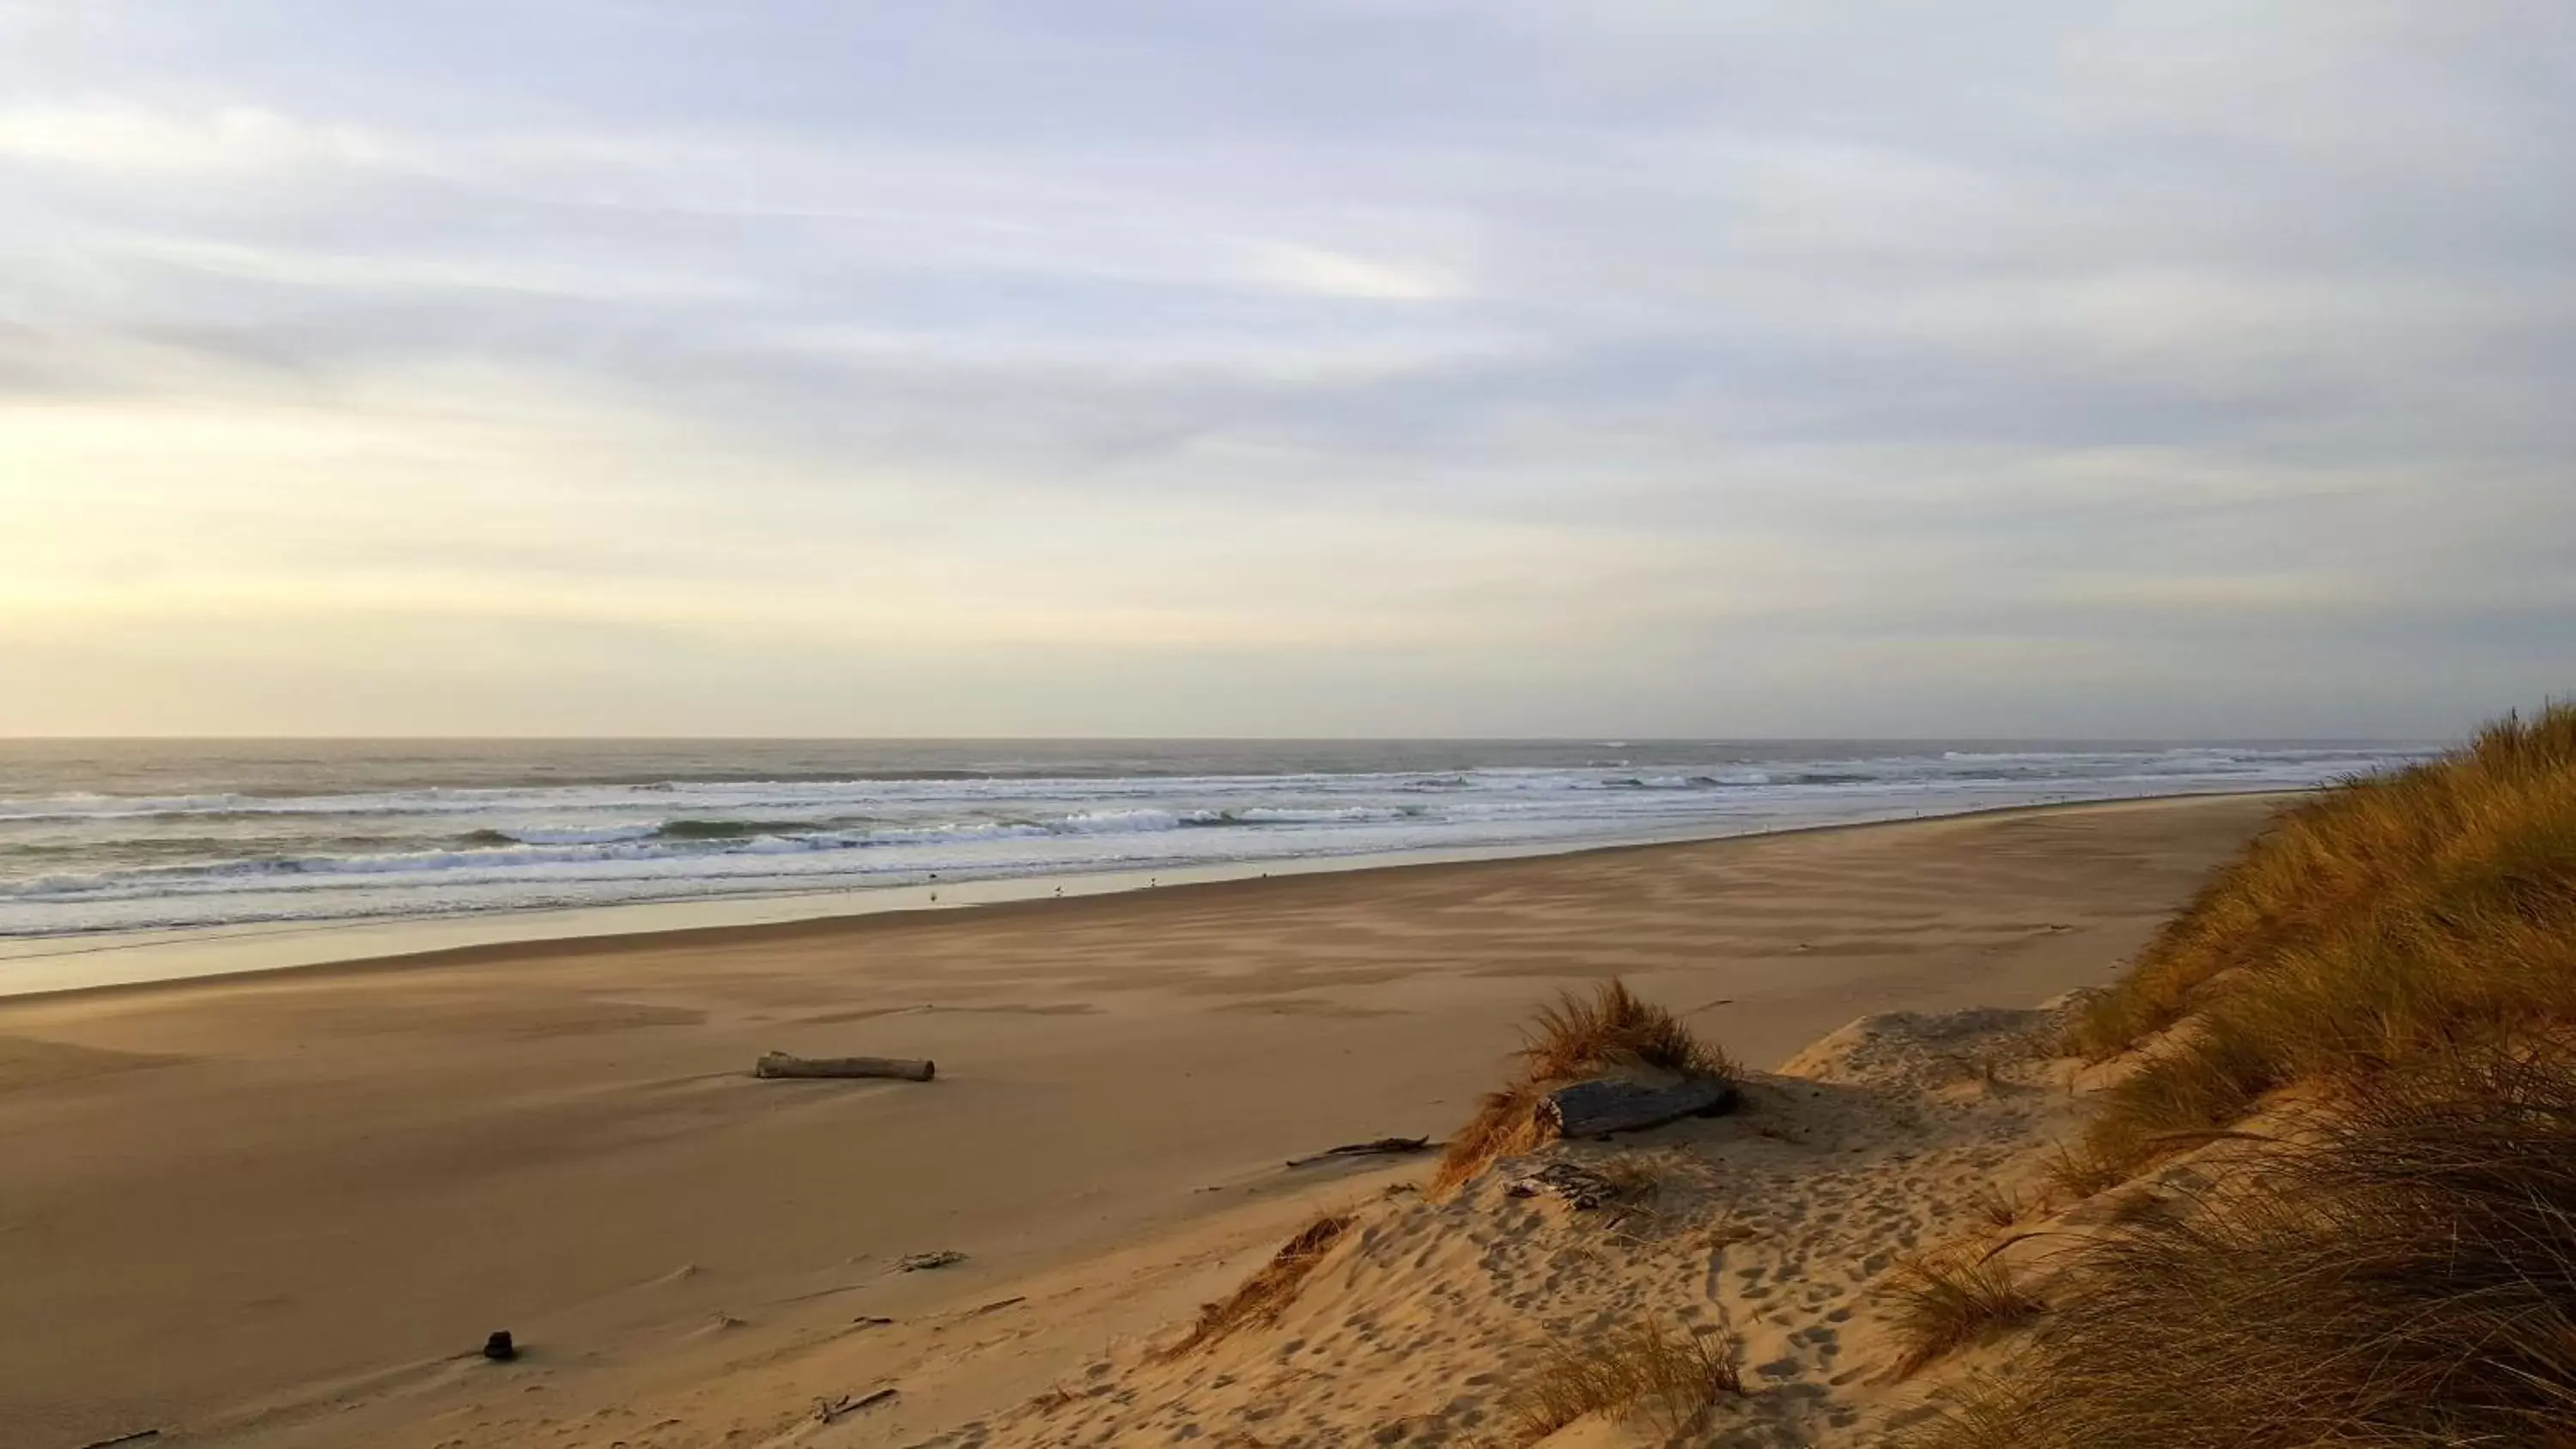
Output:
(118, 836)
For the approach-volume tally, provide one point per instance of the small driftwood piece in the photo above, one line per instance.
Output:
(828, 1410)
(1382, 1147)
(1581, 1187)
(924, 1262)
(1605, 1105)
(779, 1064)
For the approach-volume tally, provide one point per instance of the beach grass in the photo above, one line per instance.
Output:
(1946, 1302)
(1672, 1375)
(1613, 1026)
(2392, 920)
(2388, 978)
(1265, 1295)
(1575, 1035)
(2404, 1275)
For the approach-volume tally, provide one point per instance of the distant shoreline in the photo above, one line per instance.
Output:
(119, 962)
(159, 863)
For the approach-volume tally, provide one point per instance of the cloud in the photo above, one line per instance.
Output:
(128, 140)
(383, 273)
(1367, 367)
(1338, 274)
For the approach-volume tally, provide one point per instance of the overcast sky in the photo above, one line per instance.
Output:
(574, 367)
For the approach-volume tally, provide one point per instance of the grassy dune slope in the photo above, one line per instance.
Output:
(2391, 922)
(2382, 991)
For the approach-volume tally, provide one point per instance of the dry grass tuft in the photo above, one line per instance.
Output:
(1673, 1376)
(2075, 1174)
(1997, 1204)
(1505, 1125)
(2393, 919)
(1613, 1027)
(1946, 1303)
(2404, 1279)
(1570, 1038)
(1266, 1295)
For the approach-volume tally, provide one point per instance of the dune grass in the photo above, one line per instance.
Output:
(2403, 1277)
(1613, 1026)
(1266, 1294)
(2392, 920)
(1998, 1205)
(1675, 1376)
(1570, 1038)
(2077, 1172)
(1506, 1124)
(1946, 1303)
(2389, 974)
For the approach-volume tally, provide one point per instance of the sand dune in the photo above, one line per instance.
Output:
(1772, 1231)
(276, 1210)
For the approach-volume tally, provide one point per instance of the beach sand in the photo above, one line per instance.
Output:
(285, 1209)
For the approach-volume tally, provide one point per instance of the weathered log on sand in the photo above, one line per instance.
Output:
(1605, 1105)
(780, 1064)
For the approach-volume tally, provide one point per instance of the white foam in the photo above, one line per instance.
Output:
(450, 850)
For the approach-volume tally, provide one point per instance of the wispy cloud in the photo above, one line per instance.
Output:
(1318, 366)
(1339, 274)
(110, 139)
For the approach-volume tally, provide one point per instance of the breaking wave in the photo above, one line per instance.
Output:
(346, 843)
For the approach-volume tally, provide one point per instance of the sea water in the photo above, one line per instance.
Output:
(155, 836)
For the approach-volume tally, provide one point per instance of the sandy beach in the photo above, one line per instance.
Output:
(285, 1209)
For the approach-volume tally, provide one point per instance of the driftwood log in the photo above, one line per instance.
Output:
(780, 1064)
(1605, 1105)
(1382, 1147)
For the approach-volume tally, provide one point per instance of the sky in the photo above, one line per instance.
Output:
(1316, 367)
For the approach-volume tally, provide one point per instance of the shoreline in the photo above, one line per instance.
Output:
(224, 953)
